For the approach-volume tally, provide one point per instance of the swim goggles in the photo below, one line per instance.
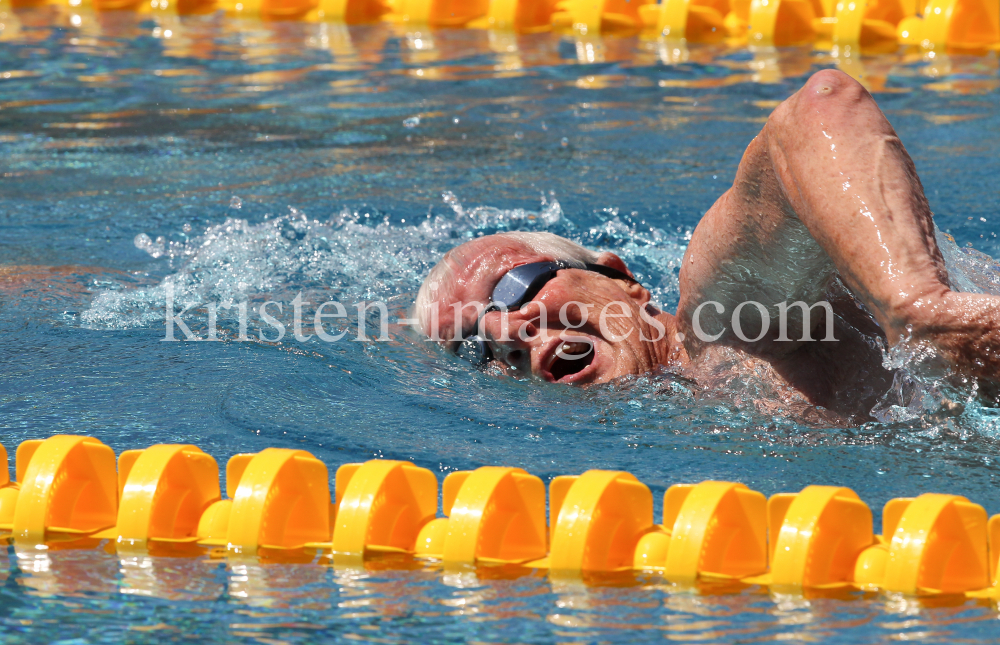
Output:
(516, 288)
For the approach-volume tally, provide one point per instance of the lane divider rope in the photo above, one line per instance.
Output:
(840, 26)
(71, 487)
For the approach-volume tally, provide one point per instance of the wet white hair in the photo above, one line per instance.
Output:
(541, 243)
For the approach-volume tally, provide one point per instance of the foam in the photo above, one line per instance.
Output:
(350, 257)
(926, 393)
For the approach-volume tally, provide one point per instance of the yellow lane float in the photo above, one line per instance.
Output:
(71, 491)
(842, 26)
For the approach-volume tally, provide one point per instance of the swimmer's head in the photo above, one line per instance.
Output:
(581, 326)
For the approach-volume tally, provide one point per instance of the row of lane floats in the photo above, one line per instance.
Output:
(71, 490)
(933, 25)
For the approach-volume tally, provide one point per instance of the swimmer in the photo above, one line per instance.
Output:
(826, 207)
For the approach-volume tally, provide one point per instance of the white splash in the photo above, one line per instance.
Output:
(351, 256)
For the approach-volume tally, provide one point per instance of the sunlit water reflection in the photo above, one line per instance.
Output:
(231, 159)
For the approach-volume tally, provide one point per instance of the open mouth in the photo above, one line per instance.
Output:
(572, 357)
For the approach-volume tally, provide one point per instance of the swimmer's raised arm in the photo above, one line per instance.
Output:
(825, 190)
(828, 187)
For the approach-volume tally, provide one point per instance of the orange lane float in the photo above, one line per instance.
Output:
(382, 505)
(163, 492)
(492, 515)
(931, 544)
(598, 518)
(816, 537)
(595, 16)
(279, 499)
(70, 490)
(66, 487)
(697, 20)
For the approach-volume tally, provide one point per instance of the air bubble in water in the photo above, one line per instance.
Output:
(236, 203)
(411, 122)
(186, 228)
(564, 142)
(518, 135)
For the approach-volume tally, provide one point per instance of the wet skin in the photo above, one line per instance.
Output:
(826, 205)
(523, 344)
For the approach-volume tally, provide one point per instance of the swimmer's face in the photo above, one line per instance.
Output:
(563, 320)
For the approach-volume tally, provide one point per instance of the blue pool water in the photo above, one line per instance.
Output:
(234, 160)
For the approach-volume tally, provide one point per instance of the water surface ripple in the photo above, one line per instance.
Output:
(232, 159)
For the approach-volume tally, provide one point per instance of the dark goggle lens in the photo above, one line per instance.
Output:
(476, 350)
(522, 283)
(516, 287)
